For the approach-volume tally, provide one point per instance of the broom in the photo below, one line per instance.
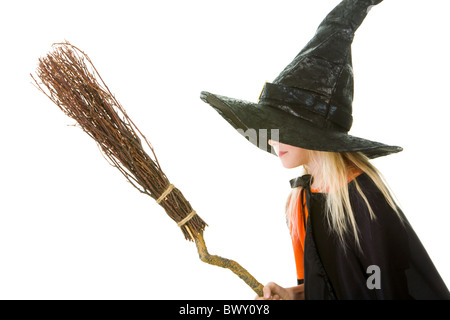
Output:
(83, 96)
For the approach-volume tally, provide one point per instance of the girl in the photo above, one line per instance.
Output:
(351, 241)
(357, 229)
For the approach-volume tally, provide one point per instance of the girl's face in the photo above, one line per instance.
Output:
(290, 156)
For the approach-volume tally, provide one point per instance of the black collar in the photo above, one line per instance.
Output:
(304, 181)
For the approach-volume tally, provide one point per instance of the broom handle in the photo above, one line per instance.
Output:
(228, 264)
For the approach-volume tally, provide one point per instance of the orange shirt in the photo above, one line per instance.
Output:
(298, 242)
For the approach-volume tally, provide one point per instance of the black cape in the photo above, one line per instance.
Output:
(390, 248)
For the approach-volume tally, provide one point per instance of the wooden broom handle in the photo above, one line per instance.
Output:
(228, 264)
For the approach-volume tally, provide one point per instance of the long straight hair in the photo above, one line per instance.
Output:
(332, 174)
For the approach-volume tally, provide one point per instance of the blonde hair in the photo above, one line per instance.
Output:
(332, 174)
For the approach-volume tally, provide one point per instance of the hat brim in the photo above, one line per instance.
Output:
(265, 121)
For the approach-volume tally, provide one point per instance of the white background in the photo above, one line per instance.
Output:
(71, 227)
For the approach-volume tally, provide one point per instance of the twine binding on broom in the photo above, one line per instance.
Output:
(165, 193)
(188, 217)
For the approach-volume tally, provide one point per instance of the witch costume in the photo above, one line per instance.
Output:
(309, 105)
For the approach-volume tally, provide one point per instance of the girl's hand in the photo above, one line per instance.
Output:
(273, 291)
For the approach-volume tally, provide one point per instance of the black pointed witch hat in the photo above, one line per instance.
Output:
(309, 105)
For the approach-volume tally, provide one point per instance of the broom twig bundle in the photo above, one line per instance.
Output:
(75, 86)
(83, 96)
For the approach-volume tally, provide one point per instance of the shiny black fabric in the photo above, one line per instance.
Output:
(309, 104)
(306, 105)
(334, 272)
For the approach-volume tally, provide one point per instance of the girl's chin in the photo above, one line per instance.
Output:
(289, 165)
